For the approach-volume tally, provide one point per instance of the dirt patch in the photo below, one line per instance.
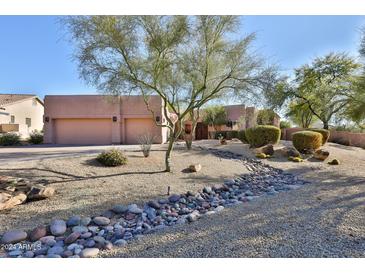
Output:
(86, 188)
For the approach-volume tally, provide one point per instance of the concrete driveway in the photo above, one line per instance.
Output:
(40, 152)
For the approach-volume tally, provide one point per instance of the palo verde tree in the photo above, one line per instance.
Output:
(186, 60)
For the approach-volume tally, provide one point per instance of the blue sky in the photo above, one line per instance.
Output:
(35, 58)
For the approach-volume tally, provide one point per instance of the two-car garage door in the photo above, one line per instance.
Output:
(98, 131)
(83, 131)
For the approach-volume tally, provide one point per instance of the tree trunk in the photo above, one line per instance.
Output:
(169, 150)
(325, 124)
(188, 141)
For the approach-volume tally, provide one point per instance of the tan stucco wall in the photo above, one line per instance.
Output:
(22, 110)
(97, 107)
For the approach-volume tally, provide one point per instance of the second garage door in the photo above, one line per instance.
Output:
(83, 131)
(135, 127)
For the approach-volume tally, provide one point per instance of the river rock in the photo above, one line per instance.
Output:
(154, 204)
(101, 221)
(72, 237)
(174, 198)
(89, 252)
(14, 236)
(90, 243)
(58, 227)
(119, 209)
(29, 254)
(74, 221)
(85, 221)
(86, 235)
(192, 217)
(80, 229)
(133, 208)
(46, 239)
(37, 233)
(55, 250)
(120, 243)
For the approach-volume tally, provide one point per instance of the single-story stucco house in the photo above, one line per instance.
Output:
(101, 119)
(20, 113)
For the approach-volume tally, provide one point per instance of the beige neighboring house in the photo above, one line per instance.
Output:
(21, 113)
(101, 119)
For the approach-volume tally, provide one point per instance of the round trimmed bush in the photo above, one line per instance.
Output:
(325, 133)
(262, 135)
(307, 141)
(112, 157)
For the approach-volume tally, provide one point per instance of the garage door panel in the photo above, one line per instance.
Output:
(83, 131)
(135, 127)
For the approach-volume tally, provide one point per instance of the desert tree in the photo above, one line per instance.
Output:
(215, 116)
(327, 86)
(186, 60)
(300, 114)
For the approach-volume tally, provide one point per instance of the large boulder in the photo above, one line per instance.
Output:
(288, 152)
(38, 192)
(321, 154)
(195, 168)
(8, 201)
(267, 150)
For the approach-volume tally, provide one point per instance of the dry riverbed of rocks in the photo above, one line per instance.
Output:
(86, 236)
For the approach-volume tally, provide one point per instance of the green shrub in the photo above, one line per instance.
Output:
(285, 124)
(9, 139)
(35, 137)
(325, 134)
(307, 141)
(262, 135)
(242, 137)
(232, 134)
(112, 157)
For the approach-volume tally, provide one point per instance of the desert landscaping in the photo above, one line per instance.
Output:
(230, 175)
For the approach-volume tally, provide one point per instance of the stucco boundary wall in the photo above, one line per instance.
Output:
(354, 139)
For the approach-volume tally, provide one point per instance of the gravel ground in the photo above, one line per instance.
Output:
(85, 188)
(322, 219)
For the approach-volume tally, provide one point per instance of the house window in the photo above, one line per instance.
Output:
(12, 119)
(28, 122)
